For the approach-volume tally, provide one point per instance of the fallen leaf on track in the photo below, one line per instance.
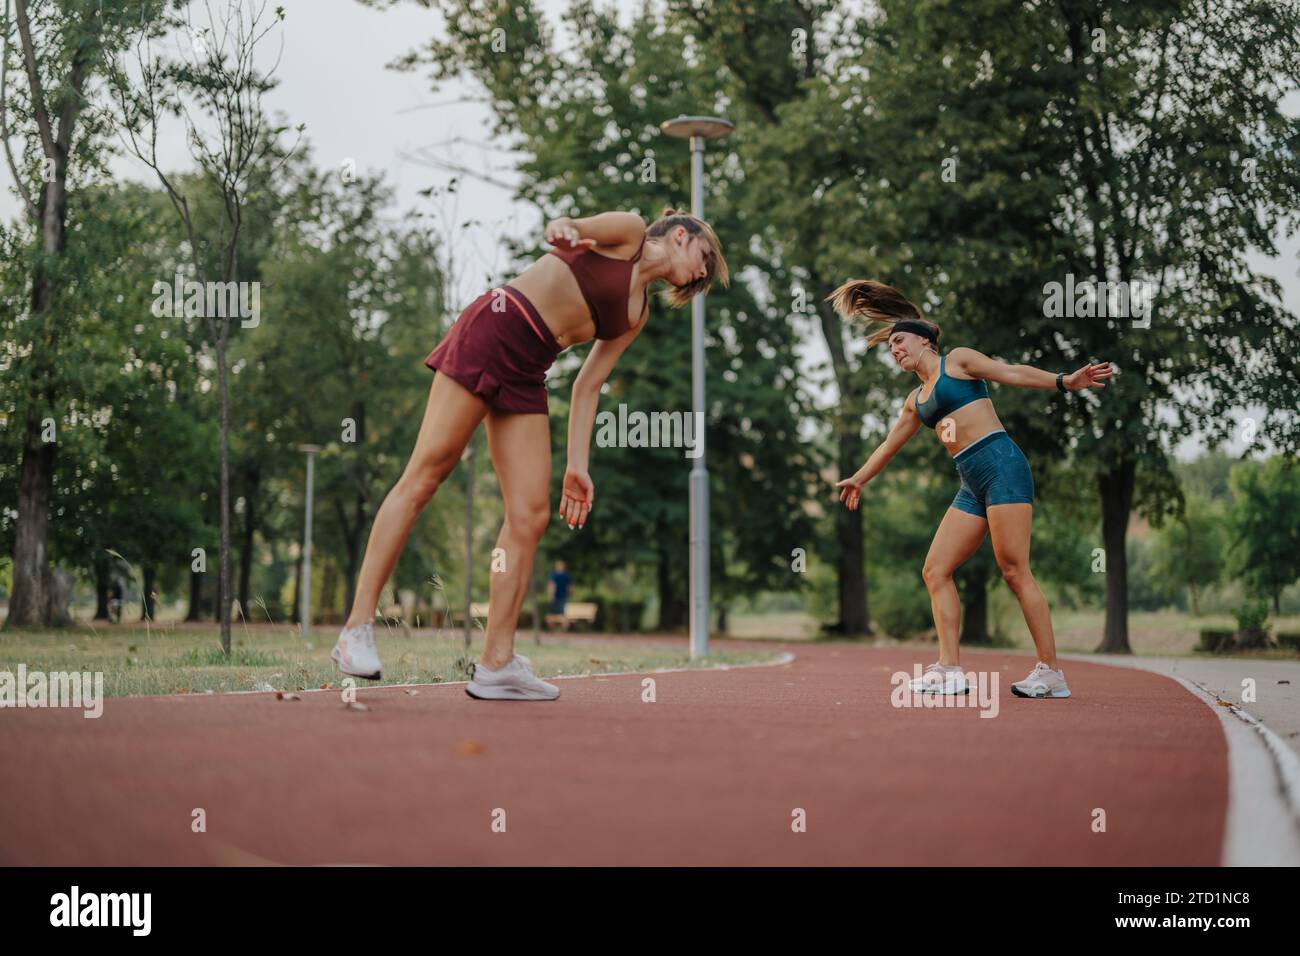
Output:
(281, 695)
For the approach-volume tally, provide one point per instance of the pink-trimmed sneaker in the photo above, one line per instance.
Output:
(940, 679)
(1042, 682)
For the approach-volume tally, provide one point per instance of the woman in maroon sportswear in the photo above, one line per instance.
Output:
(492, 364)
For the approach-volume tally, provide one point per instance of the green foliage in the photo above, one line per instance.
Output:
(1252, 615)
(1149, 591)
(1265, 546)
(1188, 552)
(900, 604)
(1068, 131)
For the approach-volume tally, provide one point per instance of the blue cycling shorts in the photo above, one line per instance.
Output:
(994, 471)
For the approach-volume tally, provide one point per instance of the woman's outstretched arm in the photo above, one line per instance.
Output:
(624, 229)
(907, 425)
(978, 365)
(578, 492)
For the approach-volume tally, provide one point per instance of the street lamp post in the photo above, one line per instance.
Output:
(304, 602)
(697, 129)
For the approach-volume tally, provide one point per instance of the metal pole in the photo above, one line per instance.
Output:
(699, 589)
(304, 611)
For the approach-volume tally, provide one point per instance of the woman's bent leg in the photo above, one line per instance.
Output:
(520, 445)
(450, 417)
(1009, 526)
(959, 535)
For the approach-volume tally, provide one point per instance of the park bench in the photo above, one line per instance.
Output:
(580, 612)
(575, 612)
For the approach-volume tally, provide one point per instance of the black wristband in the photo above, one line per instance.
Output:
(1060, 382)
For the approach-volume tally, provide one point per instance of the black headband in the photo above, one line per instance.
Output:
(911, 325)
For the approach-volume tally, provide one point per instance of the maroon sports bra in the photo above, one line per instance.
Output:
(605, 284)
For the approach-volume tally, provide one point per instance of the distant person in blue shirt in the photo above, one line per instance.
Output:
(560, 582)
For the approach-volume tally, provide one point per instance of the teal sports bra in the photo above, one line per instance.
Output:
(949, 395)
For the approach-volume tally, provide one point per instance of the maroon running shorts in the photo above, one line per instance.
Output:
(499, 348)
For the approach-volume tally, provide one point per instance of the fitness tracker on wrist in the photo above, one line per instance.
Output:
(1060, 382)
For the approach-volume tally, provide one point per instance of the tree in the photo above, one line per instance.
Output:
(63, 46)
(358, 304)
(1265, 527)
(217, 78)
(1189, 550)
(1140, 146)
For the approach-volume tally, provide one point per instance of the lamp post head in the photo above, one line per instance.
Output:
(309, 449)
(706, 127)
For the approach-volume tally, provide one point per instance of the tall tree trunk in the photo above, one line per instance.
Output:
(31, 532)
(1116, 487)
(103, 584)
(223, 607)
(148, 602)
(354, 545)
(672, 602)
(852, 571)
(250, 532)
(975, 610)
(196, 597)
(29, 602)
(329, 581)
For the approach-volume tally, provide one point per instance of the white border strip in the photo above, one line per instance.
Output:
(1263, 823)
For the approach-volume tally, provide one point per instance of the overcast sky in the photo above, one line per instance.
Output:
(334, 80)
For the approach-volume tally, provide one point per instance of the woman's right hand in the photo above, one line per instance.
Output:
(563, 232)
(851, 490)
(578, 494)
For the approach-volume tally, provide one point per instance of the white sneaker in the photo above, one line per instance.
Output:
(355, 652)
(940, 679)
(1042, 682)
(514, 681)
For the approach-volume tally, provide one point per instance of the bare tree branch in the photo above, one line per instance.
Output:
(4, 123)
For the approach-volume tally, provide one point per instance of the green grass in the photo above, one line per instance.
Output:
(1151, 633)
(176, 659)
(179, 658)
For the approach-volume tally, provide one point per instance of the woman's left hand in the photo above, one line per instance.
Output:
(577, 497)
(563, 232)
(1092, 375)
(851, 491)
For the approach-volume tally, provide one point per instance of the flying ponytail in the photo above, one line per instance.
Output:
(874, 302)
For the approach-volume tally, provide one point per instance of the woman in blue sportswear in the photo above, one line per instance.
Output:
(997, 488)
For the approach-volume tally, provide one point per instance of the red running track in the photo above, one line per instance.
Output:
(710, 773)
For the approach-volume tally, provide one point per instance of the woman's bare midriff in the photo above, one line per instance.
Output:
(967, 424)
(551, 288)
